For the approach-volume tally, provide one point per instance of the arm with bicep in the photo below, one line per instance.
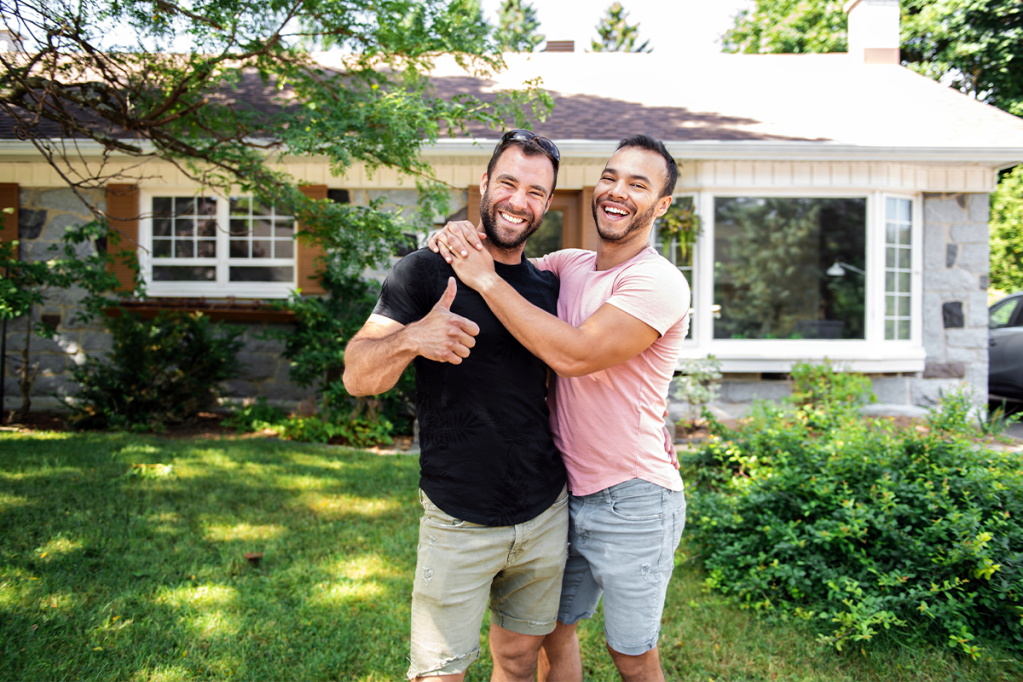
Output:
(378, 354)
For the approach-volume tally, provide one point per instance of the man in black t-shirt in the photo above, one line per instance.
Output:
(492, 483)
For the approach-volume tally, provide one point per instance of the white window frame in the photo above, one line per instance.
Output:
(690, 340)
(872, 354)
(221, 288)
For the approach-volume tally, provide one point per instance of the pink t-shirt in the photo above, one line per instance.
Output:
(609, 425)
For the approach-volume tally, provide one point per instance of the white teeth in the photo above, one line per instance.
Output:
(512, 219)
(616, 211)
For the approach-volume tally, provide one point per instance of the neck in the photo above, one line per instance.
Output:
(612, 253)
(506, 256)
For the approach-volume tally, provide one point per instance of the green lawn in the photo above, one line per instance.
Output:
(113, 568)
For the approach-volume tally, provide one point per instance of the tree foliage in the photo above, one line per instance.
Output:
(1007, 232)
(517, 27)
(788, 27)
(250, 89)
(615, 34)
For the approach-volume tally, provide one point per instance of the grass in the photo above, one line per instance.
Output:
(121, 558)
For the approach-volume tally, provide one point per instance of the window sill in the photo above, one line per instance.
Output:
(780, 356)
(229, 310)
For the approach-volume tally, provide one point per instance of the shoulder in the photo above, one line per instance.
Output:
(558, 261)
(652, 266)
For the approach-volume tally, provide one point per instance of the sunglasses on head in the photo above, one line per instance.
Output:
(549, 147)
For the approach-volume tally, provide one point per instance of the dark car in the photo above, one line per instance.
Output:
(1005, 352)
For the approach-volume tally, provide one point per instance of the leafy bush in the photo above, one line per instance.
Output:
(358, 433)
(824, 385)
(316, 345)
(698, 383)
(864, 529)
(159, 371)
(255, 416)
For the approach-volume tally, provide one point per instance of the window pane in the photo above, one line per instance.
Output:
(898, 279)
(262, 274)
(208, 228)
(286, 249)
(239, 227)
(161, 227)
(889, 330)
(547, 237)
(284, 228)
(259, 208)
(261, 228)
(904, 234)
(904, 302)
(772, 257)
(162, 206)
(206, 206)
(239, 248)
(184, 249)
(207, 249)
(184, 206)
(889, 306)
(184, 227)
(240, 205)
(184, 273)
(161, 248)
(903, 329)
(904, 258)
(1001, 313)
(904, 282)
(261, 249)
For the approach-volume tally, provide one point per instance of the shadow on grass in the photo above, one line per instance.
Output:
(112, 569)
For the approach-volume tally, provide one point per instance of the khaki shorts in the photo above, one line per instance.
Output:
(461, 565)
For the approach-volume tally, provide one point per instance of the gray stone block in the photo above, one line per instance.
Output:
(56, 227)
(976, 377)
(952, 314)
(63, 200)
(30, 223)
(238, 389)
(894, 410)
(257, 345)
(976, 258)
(970, 232)
(59, 384)
(93, 341)
(944, 370)
(741, 391)
(891, 390)
(258, 366)
(927, 392)
(966, 338)
(943, 208)
(395, 197)
(290, 392)
(949, 280)
(61, 343)
(983, 282)
(951, 251)
(36, 251)
(978, 316)
(962, 354)
(934, 247)
(980, 208)
(66, 297)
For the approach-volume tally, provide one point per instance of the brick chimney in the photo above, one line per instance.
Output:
(874, 31)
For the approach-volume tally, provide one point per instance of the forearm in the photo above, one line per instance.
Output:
(566, 349)
(374, 365)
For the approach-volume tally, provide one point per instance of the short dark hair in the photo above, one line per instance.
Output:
(529, 148)
(651, 145)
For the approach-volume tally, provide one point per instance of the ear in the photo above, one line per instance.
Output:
(483, 184)
(662, 206)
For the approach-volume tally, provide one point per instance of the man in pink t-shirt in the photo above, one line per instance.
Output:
(623, 316)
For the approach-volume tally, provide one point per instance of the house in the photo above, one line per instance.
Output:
(844, 202)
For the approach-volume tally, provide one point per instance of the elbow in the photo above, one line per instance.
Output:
(571, 367)
(353, 385)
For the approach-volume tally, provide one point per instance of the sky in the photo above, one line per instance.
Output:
(671, 26)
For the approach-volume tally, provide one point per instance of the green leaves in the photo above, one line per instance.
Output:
(1007, 232)
(615, 34)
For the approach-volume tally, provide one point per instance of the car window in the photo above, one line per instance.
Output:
(1001, 313)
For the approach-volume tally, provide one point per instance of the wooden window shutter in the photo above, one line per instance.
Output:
(590, 237)
(473, 209)
(123, 211)
(308, 253)
(9, 199)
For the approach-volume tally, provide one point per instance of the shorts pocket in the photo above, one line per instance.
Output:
(638, 502)
(437, 517)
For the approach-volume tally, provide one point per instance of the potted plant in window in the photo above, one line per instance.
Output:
(681, 225)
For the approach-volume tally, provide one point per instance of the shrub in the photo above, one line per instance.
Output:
(358, 433)
(698, 383)
(159, 371)
(255, 416)
(864, 529)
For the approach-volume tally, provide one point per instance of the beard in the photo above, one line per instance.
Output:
(508, 240)
(639, 221)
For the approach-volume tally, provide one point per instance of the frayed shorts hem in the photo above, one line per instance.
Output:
(452, 666)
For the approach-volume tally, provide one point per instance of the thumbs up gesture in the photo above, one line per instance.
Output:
(442, 335)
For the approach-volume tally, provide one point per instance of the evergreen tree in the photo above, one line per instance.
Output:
(517, 26)
(615, 35)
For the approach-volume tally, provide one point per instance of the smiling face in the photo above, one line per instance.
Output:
(628, 197)
(515, 197)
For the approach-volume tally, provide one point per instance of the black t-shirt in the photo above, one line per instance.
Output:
(487, 452)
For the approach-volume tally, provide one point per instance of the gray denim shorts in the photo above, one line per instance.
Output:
(460, 566)
(622, 543)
